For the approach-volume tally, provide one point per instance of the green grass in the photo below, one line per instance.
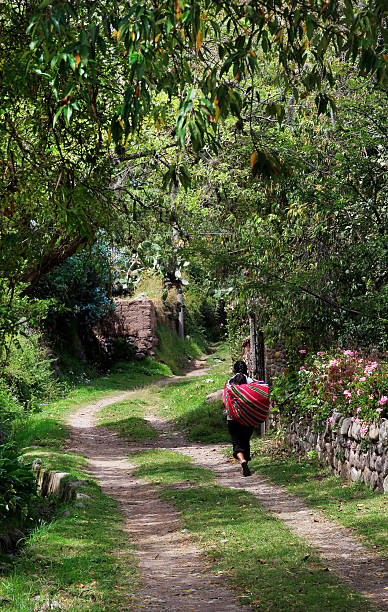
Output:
(185, 402)
(46, 428)
(175, 351)
(351, 504)
(127, 418)
(182, 401)
(81, 561)
(270, 567)
(167, 467)
(84, 562)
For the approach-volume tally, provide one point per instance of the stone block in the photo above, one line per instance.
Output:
(385, 484)
(373, 480)
(378, 464)
(384, 432)
(346, 423)
(345, 470)
(367, 475)
(363, 460)
(356, 427)
(374, 432)
(379, 448)
(214, 397)
(355, 474)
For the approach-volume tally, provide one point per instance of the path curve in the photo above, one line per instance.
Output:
(173, 574)
(173, 570)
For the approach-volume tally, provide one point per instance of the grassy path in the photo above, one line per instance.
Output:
(188, 527)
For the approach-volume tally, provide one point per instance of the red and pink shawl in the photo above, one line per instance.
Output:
(247, 404)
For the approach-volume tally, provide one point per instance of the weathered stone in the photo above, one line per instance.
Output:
(66, 513)
(356, 427)
(363, 460)
(82, 496)
(337, 416)
(355, 474)
(214, 397)
(357, 460)
(384, 432)
(374, 432)
(351, 457)
(379, 448)
(79, 505)
(345, 470)
(329, 448)
(372, 461)
(373, 480)
(378, 464)
(132, 319)
(345, 426)
(367, 475)
(385, 484)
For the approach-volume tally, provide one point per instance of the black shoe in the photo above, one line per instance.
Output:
(245, 469)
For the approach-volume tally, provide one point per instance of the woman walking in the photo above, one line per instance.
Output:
(246, 402)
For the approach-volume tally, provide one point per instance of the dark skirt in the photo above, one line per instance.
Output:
(241, 435)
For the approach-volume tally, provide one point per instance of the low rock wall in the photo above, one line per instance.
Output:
(56, 484)
(350, 454)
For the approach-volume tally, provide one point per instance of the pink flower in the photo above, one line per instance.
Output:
(349, 353)
(383, 400)
(347, 393)
(303, 351)
(330, 420)
(358, 392)
(302, 368)
(371, 396)
(320, 353)
(362, 379)
(379, 409)
(358, 409)
(340, 382)
(370, 368)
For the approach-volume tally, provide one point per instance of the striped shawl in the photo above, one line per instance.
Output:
(247, 404)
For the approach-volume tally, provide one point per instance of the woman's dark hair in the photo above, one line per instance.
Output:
(240, 367)
(238, 379)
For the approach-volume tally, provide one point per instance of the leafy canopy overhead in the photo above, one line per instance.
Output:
(198, 51)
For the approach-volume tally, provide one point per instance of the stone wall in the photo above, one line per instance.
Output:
(134, 320)
(350, 454)
(274, 359)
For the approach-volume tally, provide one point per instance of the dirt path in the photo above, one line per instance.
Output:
(173, 574)
(173, 571)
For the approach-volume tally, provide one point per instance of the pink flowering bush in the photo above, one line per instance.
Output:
(344, 381)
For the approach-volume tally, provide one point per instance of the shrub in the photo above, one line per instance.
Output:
(343, 381)
(17, 484)
(28, 372)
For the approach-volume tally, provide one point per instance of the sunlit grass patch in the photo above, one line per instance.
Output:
(46, 428)
(83, 561)
(58, 461)
(168, 467)
(351, 504)
(127, 418)
(184, 402)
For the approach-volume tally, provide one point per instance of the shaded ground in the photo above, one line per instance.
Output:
(173, 573)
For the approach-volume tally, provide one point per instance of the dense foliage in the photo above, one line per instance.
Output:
(345, 381)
